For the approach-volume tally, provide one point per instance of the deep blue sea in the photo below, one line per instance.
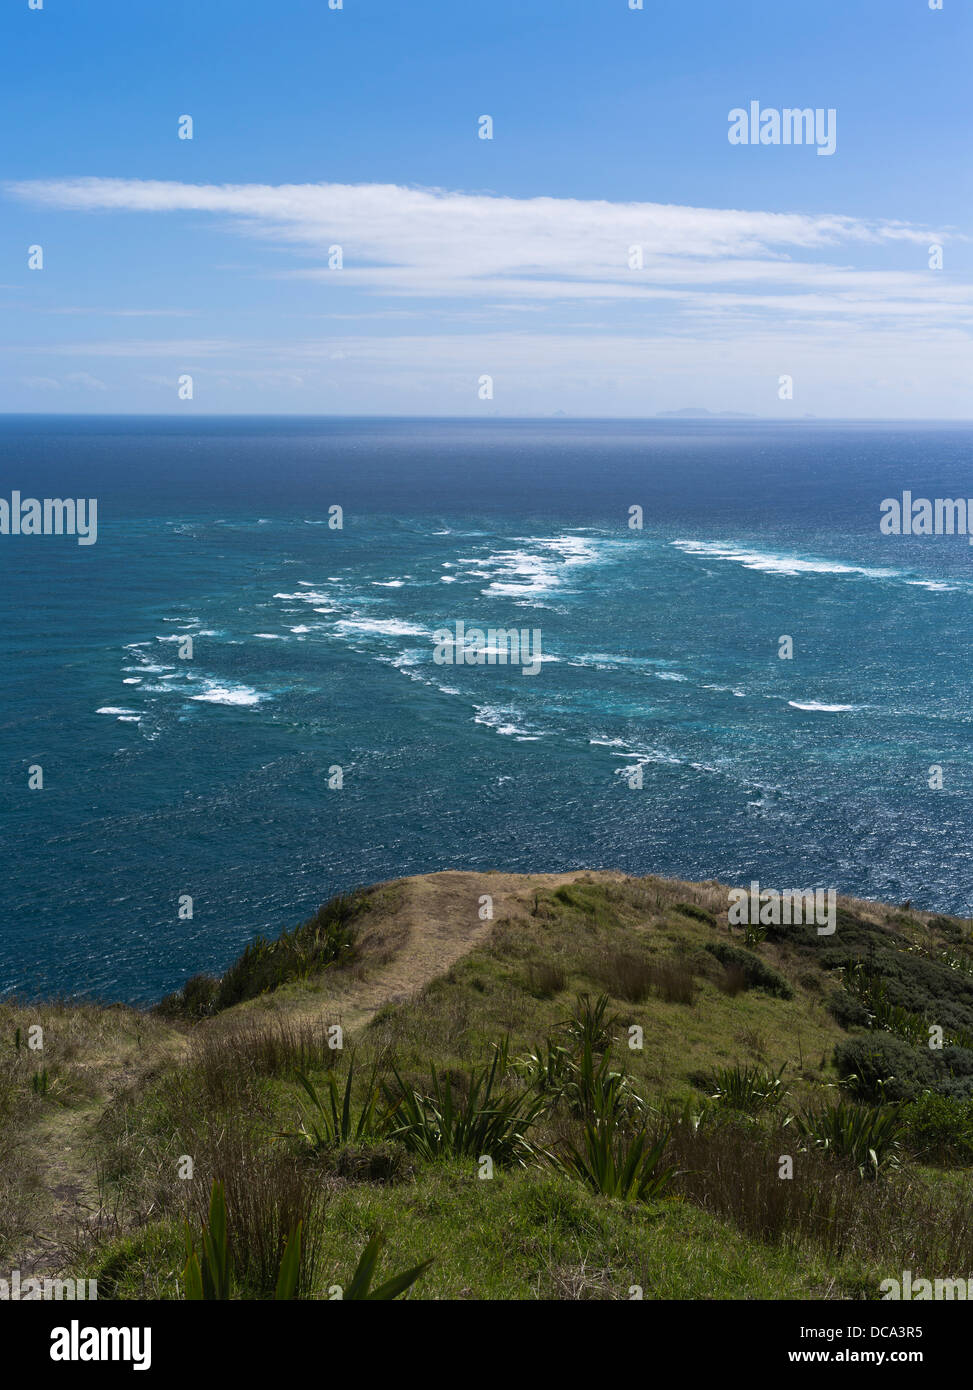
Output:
(312, 649)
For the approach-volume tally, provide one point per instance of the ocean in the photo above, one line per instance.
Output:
(215, 777)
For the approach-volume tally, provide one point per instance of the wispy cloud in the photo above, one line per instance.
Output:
(430, 243)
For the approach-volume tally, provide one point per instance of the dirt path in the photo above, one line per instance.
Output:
(429, 923)
(434, 923)
(58, 1182)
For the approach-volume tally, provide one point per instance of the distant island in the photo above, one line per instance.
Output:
(696, 412)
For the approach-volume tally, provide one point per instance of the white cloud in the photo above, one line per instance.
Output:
(428, 243)
(727, 300)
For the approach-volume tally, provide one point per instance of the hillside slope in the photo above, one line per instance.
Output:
(724, 1046)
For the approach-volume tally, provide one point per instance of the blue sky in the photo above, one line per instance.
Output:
(466, 258)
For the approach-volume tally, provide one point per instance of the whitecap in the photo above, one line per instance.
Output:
(500, 718)
(818, 706)
(216, 694)
(383, 627)
(770, 562)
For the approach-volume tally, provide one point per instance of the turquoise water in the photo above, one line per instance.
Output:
(313, 650)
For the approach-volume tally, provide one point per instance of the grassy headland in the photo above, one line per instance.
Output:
(600, 1088)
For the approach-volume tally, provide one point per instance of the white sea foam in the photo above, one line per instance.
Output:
(818, 706)
(216, 694)
(501, 718)
(637, 755)
(769, 562)
(114, 709)
(523, 573)
(385, 627)
(309, 596)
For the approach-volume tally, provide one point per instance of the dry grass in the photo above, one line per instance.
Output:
(733, 1171)
(633, 978)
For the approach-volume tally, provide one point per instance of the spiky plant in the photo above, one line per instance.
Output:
(208, 1276)
(590, 1023)
(331, 1121)
(748, 1089)
(446, 1123)
(868, 1137)
(616, 1164)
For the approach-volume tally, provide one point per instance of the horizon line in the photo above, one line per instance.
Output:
(665, 417)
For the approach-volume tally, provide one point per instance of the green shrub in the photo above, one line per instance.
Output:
(325, 939)
(880, 1066)
(917, 985)
(847, 1011)
(939, 1128)
(195, 1000)
(756, 972)
(949, 928)
(595, 1091)
(699, 914)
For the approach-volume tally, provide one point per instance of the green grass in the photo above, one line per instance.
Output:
(519, 1235)
(617, 1054)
